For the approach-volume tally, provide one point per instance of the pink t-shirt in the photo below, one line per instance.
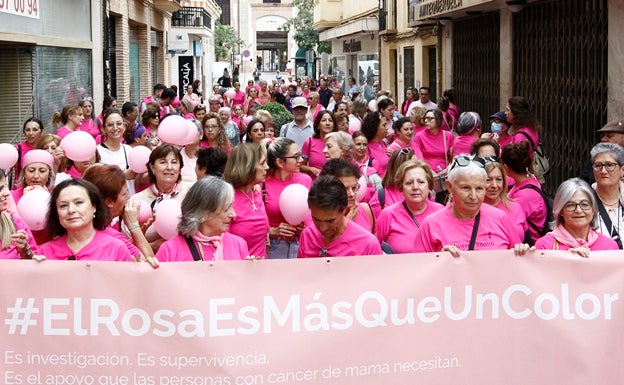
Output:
(392, 196)
(396, 227)
(63, 132)
(397, 145)
(251, 224)
(442, 228)
(353, 241)
(177, 250)
(134, 251)
(274, 188)
(516, 216)
(602, 243)
(361, 218)
(239, 99)
(517, 137)
(533, 206)
(435, 148)
(11, 252)
(89, 126)
(312, 150)
(102, 247)
(377, 151)
(462, 144)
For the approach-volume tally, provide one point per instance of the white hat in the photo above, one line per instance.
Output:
(299, 102)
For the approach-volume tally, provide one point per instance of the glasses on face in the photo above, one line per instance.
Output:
(486, 159)
(297, 156)
(607, 165)
(427, 118)
(583, 205)
(211, 127)
(156, 116)
(464, 161)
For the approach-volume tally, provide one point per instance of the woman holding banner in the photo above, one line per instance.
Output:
(77, 216)
(16, 240)
(576, 218)
(467, 224)
(207, 211)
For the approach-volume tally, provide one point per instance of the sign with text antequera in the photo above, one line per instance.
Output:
(483, 318)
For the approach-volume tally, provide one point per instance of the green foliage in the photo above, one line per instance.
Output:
(304, 34)
(225, 40)
(280, 114)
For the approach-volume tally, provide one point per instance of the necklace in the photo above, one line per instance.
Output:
(250, 198)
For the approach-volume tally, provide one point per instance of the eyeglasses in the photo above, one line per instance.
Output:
(427, 118)
(296, 156)
(583, 205)
(608, 166)
(464, 161)
(486, 159)
(211, 126)
(407, 151)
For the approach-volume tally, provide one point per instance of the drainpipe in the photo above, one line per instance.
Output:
(439, 60)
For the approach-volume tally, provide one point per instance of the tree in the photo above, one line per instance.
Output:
(225, 40)
(305, 35)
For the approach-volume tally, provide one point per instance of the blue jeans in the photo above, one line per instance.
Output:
(283, 249)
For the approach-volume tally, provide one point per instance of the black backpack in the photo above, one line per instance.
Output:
(550, 217)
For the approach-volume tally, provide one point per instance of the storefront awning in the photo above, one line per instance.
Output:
(365, 25)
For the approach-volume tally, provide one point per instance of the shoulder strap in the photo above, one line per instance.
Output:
(309, 146)
(475, 230)
(545, 199)
(381, 194)
(193, 248)
(264, 192)
(607, 221)
(369, 214)
(533, 146)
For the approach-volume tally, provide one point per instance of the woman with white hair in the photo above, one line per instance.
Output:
(608, 165)
(576, 216)
(231, 129)
(339, 144)
(468, 130)
(467, 224)
(203, 229)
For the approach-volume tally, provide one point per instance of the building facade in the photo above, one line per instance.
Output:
(563, 55)
(352, 28)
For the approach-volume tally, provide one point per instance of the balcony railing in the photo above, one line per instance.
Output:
(191, 17)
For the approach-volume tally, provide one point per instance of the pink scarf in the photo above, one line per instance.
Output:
(217, 242)
(564, 237)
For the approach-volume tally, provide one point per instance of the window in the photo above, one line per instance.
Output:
(408, 70)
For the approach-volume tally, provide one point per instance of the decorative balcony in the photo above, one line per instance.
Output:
(167, 5)
(191, 17)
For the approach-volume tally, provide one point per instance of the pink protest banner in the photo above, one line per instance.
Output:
(484, 318)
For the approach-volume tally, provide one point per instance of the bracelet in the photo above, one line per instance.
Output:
(134, 227)
(26, 252)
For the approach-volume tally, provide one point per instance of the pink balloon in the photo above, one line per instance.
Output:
(33, 208)
(362, 189)
(168, 214)
(372, 105)
(247, 119)
(192, 134)
(138, 158)
(230, 93)
(293, 203)
(173, 130)
(79, 146)
(354, 125)
(145, 212)
(8, 155)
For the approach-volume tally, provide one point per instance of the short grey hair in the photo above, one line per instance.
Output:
(207, 196)
(344, 141)
(472, 169)
(613, 149)
(564, 194)
(468, 122)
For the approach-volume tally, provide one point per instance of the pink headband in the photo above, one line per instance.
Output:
(38, 156)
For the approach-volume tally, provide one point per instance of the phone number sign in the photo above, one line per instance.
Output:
(28, 8)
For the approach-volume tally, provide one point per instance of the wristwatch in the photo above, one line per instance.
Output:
(26, 252)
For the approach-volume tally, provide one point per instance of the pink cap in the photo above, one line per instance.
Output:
(38, 156)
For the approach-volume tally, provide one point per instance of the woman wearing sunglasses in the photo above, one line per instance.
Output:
(576, 216)
(466, 223)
